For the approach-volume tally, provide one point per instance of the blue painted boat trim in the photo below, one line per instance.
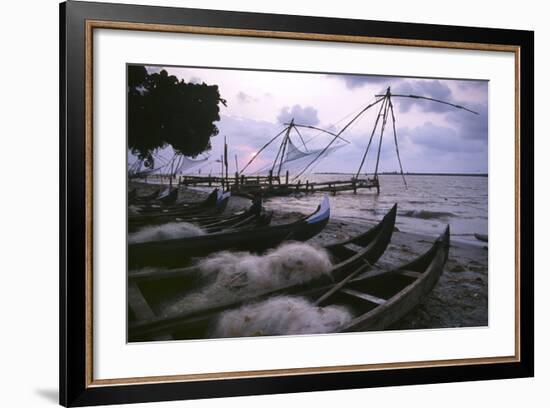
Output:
(322, 213)
(222, 196)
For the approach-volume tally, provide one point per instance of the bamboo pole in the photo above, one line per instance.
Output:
(301, 138)
(338, 135)
(262, 149)
(221, 174)
(384, 121)
(282, 148)
(370, 141)
(296, 125)
(434, 100)
(225, 161)
(396, 145)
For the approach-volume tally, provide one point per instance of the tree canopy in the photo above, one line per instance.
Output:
(163, 110)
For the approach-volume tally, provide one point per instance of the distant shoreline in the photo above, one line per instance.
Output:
(415, 174)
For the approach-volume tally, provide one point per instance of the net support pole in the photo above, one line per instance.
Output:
(279, 150)
(262, 149)
(337, 136)
(370, 139)
(283, 147)
(396, 144)
(384, 121)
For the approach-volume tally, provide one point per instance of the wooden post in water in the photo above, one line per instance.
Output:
(225, 162)
(286, 178)
(354, 185)
(270, 179)
(307, 186)
(236, 181)
(221, 173)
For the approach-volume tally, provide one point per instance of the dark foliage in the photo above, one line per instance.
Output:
(163, 110)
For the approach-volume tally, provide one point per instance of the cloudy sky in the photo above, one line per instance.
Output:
(432, 137)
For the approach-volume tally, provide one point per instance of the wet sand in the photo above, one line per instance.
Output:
(459, 299)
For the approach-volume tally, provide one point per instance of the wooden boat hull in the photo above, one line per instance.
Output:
(429, 267)
(159, 208)
(177, 252)
(193, 214)
(260, 219)
(422, 274)
(136, 199)
(158, 286)
(170, 198)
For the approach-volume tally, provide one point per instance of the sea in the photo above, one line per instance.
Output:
(426, 205)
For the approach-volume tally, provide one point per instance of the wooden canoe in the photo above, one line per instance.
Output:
(162, 215)
(143, 199)
(350, 257)
(169, 196)
(158, 207)
(379, 299)
(177, 252)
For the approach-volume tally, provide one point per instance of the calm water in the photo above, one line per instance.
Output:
(426, 206)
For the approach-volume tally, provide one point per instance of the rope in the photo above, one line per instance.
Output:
(301, 138)
(384, 121)
(339, 133)
(396, 145)
(370, 141)
(341, 119)
(263, 147)
(434, 100)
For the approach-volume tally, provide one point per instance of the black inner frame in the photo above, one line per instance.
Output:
(73, 392)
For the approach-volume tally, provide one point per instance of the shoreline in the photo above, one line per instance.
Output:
(329, 173)
(459, 299)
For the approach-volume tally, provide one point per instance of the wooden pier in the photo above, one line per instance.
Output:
(275, 185)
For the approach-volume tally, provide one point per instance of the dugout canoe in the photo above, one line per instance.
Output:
(160, 208)
(176, 252)
(161, 215)
(154, 288)
(143, 199)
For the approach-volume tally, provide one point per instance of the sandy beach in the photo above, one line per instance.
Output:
(460, 298)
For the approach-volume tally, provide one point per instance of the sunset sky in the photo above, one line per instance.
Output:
(432, 137)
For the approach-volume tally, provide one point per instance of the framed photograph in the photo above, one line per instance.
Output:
(256, 204)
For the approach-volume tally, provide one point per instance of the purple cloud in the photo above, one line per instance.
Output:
(353, 81)
(473, 85)
(471, 127)
(429, 88)
(244, 97)
(441, 139)
(302, 115)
